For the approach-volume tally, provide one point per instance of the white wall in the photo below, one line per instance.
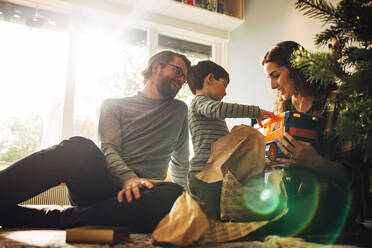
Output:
(267, 22)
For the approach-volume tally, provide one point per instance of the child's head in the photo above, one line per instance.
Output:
(197, 74)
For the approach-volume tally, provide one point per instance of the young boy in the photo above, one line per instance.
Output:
(207, 113)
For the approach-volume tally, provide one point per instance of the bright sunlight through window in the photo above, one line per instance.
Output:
(56, 73)
(32, 80)
(109, 66)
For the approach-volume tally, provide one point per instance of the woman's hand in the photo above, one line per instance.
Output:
(132, 188)
(303, 153)
(264, 114)
(299, 152)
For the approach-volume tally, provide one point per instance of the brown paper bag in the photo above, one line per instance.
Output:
(242, 152)
(184, 224)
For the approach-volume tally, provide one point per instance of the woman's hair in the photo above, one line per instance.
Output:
(281, 55)
(197, 74)
(163, 57)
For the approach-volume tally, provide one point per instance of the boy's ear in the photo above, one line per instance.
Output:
(209, 78)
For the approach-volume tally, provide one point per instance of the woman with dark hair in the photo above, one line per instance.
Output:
(320, 195)
(279, 56)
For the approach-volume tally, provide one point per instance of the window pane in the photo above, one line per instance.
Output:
(193, 51)
(110, 62)
(33, 64)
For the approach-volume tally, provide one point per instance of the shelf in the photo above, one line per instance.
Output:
(174, 16)
(192, 14)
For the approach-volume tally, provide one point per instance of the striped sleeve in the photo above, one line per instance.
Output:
(210, 108)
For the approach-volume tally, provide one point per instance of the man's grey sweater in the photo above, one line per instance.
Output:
(142, 137)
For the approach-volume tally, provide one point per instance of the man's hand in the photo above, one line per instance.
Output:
(264, 114)
(132, 188)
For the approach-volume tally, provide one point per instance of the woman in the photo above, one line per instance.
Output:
(319, 185)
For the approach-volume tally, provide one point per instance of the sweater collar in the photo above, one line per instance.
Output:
(151, 100)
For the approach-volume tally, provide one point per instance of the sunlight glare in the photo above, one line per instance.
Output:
(32, 62)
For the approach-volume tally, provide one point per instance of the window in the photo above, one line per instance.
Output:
(193, 51)
(109, 65)
(32, 79)
(56, 69)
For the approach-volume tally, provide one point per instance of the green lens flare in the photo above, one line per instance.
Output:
(261, 198)
(307, 210)
(339, 222)
(265, 195)
(309, 207)
(306, 207)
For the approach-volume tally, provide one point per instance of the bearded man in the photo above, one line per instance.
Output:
(141, 137)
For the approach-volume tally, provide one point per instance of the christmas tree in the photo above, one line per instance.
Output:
(347, 62)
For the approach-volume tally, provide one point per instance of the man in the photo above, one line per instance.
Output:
(140, 136)
(137, 131)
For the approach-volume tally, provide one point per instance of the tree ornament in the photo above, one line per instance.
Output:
(336, 48)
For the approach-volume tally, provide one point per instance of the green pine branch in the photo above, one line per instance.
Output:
(357, 55)
(352, 19)
(332, 32)
(356, 124)
(326, 12)
(320, 68)
(349, 63)
(360, 60)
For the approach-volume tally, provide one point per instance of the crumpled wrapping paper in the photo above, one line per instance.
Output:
(219, 232)
(235, 158)
(244, 202)
(184, 224)
(242, 152)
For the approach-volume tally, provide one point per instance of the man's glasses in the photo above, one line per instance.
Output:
(178, 71)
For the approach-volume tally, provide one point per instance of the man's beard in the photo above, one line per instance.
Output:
(165, 89)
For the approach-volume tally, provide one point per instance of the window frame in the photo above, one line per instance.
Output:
(154, 26)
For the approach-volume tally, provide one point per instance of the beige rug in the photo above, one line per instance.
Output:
(28, 238)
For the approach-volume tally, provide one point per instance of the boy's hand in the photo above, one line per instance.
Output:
(263, 115)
